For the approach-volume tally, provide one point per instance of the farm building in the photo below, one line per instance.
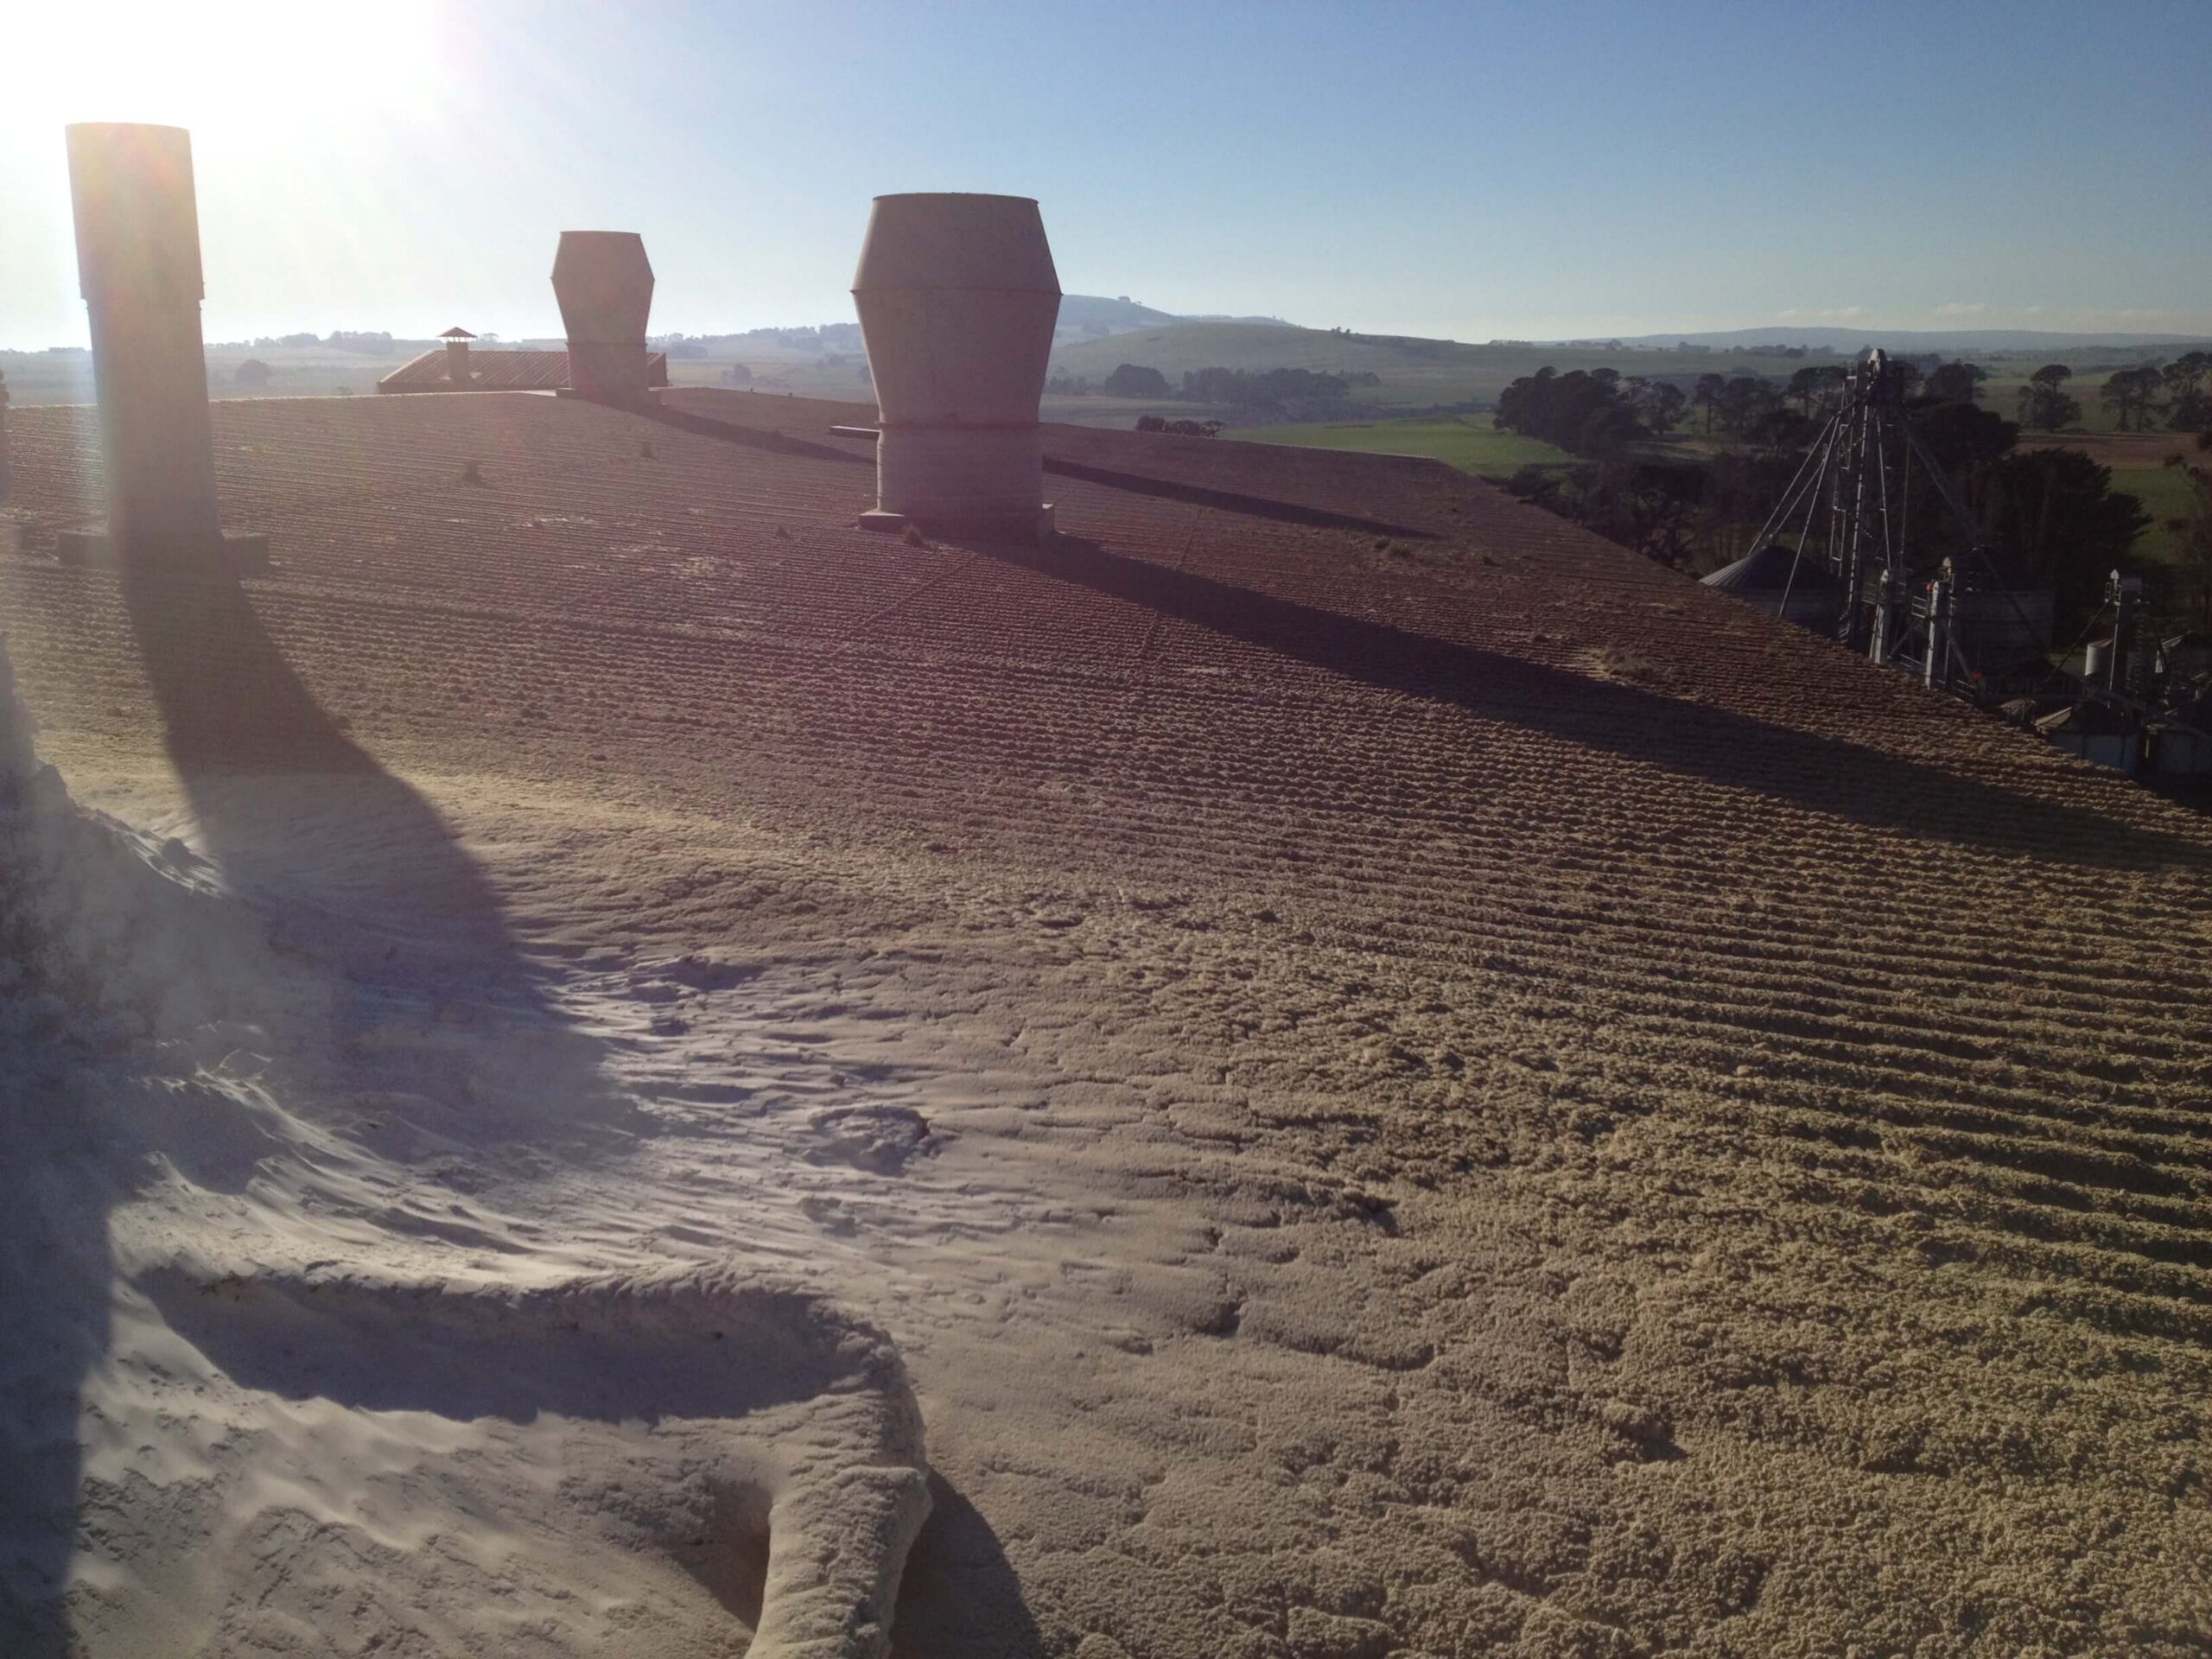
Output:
(2186, 658)
(2001, 618)
(2097, 733)
(456, 367)
(1401, 1079)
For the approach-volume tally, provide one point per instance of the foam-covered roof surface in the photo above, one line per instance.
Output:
(1485, 839)
(1380, 648)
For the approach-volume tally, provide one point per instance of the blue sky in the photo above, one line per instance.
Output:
(1468, 170)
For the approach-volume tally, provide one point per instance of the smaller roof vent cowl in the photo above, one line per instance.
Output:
(605, 287)
(957, 298)
(457, 369)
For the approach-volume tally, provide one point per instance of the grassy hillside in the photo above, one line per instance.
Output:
(1178, 346)
(1415, 373)
(1975, 343)
(2165, 496)
(1469, 443)
(36, 378)
(1081, 313)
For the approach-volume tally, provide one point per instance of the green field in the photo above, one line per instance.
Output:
(1416, 374)
(1470, 442)
(2009, 372)
(1419, 375)
(2165, 495)
(35, 378)
(2001, 392)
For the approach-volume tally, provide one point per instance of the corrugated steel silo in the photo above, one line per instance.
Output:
(1780, 581)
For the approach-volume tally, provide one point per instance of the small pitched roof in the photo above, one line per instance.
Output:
(501, 371)
(457, 333)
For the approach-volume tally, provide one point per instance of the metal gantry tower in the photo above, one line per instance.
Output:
(1851, 507)
(1962, 627)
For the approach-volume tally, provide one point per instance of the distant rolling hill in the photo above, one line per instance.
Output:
(1947, 341)
(1083, 312)
(1179, 345)
(1090, 316)
(1415, 373)
(1419, 375)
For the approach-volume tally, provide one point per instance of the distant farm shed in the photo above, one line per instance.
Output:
(498, 371)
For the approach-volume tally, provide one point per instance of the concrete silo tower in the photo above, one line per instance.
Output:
(605, 287)
(138, 265)
(957, 298)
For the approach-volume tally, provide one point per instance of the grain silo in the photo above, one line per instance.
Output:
(2002, 616)
(957, 298)
(1797, 588)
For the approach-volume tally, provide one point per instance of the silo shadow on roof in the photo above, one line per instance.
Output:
(1821, 774)
(344, 859)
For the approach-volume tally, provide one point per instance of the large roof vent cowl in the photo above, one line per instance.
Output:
(605, 287)
(138, 223)
(957, 298)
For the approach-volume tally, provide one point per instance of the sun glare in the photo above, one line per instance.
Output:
(226, 69)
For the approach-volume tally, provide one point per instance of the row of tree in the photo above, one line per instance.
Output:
(1593, 412)
(2137, 396)
(1257, 395)
(2055, 511)
(2195, 527)
(1582, 411)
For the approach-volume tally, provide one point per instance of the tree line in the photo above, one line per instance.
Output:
(1592, 412)
(2178, 391)
(1258, 395)
(1588, 412)
(2055, 511)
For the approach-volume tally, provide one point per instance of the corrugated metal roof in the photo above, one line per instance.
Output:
(507, 371)
(1482, 858)
(1489, 743)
